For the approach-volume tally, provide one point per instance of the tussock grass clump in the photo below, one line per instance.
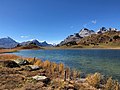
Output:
(94, 79)
(54, 67)
(112, 84)
(46, 64)
(61, 68)
(74, 74)
(38, 62)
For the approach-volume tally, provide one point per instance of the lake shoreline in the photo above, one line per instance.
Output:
(54, 48)
(24, 77)
(58, 48)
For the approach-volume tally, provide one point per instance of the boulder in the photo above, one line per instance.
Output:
(41, 78)
(32, 67)
(8, 63)
(21, 61)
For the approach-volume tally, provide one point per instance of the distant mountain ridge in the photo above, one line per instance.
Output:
(110, 38)
(10, 43)
(73, 39)
(36, 42)
(84, 36)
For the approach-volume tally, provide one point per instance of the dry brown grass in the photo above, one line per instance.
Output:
(61, 69)
(112, 84)
(38, 62)
(57, 71)
(46, 64)
(8, 56)
(8, 50)
(94, 79)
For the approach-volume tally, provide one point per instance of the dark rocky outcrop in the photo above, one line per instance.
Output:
(8, 63)
(32, 67)
(21, 62)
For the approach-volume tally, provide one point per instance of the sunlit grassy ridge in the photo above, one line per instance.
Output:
(109, 39)
(104, 40)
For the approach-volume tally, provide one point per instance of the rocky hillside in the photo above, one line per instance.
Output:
(7, 43)
(72, 39)
(85, 32)
(88, 37)
(108, 38)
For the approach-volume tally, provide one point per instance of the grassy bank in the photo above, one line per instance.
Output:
(82, 47)
(8, 50)
(61, 77)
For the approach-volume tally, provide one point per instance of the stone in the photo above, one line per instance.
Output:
(41, 78)
(8, 63)
(32, 67)
(21, 61)
(81, 80)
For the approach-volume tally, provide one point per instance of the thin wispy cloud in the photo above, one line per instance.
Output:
(94, 21)
(24, 36)
(89, 23)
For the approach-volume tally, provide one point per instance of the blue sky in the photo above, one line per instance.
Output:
(54, 20)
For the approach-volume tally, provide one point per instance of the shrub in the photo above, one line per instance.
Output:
(116, 37)
(38, 62)
(112, 84)
(46, 64)
(61, 68)
(74, 74)
(67, 72)
(94, 80)
(53, 68)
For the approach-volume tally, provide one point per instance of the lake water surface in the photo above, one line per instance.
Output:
(87, 60)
